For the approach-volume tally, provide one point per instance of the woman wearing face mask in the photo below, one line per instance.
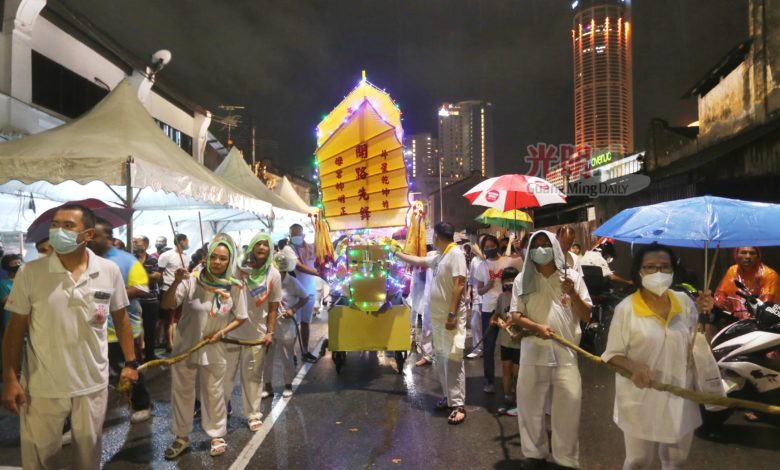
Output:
(213, 304)
(489, 287)
(650, 336)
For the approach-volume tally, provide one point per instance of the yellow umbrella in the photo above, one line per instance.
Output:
(510, 220)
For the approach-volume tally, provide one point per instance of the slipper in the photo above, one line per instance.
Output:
(254, 424)
(175, 449)
(218, 447)
(441, 405)
(752, 417)
(453, 418)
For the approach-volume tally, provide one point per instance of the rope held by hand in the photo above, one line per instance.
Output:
(124, 385)
(693, 395)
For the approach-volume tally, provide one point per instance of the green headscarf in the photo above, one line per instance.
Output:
(219, 285)
(256, 275)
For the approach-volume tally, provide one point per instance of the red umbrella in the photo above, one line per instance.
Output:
(116, 216)
(510, 192)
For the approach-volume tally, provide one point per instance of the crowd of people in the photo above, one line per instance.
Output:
(87, 312)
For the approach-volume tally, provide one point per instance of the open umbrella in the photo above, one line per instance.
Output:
(116, 216)
(509, 192)
(510, 220)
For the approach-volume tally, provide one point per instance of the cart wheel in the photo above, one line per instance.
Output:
(324, 347)
(400, 358)
(339, 358)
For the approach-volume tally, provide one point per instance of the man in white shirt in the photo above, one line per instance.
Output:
(448, 317)
(601, 256)
(566, 236)
(547, 298)
(63, 301)
(301, 254)
(168, 263)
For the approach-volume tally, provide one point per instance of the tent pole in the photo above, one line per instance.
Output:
(129, 201)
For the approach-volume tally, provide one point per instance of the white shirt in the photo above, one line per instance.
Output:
(446, 267)
(638, 334)
(169, 262)
(476, 299)
(595, 258)
(67, 352)
(255, 327)
(503, 308)
(573, 261)
(492, 269)
(196, 320)
(306, 254)
(549, 306)
(292, 293)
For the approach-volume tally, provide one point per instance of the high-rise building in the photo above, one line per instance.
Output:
(466, 138)
(421, 149)
(603, 92)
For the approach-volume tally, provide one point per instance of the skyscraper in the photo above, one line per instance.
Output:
(421, 150)
(466, 138)
(603, 92)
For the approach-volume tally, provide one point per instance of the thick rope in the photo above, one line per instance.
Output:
(693, 395)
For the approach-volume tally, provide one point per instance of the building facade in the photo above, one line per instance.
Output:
(603, 92)
(466, 139)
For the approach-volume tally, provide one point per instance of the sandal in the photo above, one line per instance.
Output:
(254, 424)
(218, 447)
(442, 405)
(175, 449)
(453, 418)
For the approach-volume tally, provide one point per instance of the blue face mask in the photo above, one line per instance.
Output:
(63, 241)
(542, 255)
(297, 240)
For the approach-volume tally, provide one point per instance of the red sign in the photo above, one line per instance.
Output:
(492, 195)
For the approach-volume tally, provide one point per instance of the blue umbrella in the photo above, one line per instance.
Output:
(699, 222)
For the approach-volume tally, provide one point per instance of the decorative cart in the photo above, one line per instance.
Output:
(364, 194)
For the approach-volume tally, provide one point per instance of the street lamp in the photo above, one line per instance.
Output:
(441, 193)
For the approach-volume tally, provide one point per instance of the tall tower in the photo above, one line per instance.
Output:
(603, 91)
(466, 138)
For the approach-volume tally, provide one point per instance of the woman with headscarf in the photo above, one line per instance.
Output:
(760, 280)
(548, 297)
(263, 292)
(213, 304)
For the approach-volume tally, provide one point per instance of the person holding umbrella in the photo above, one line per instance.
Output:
(650, 336)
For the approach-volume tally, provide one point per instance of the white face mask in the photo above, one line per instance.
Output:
(657, 283)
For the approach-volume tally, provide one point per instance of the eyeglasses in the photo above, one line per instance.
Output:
(652, 269)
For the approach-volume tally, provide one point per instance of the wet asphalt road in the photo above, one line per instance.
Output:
(370, 416)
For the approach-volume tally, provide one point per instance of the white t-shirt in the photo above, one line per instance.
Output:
(306, 254)
(640, 335)
(169, 262)
(503, 308)
(549, 306)
(492, 269)
(196, 320)
(445, 268)
(573, 261)
(292, 293)
(67, 352)
(476, 299)
(595, 258)
(257, 323)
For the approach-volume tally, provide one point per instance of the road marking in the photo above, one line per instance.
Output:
(251, 447)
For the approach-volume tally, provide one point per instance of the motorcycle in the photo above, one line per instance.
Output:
(605, 299)
(748, 355)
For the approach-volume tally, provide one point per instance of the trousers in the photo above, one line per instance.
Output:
(533, 385)
(280, 352)
(489, 348)
(41, 425)
(249, 360)
(476, 327)
(188, 378)
(448, 361)
(640, 453)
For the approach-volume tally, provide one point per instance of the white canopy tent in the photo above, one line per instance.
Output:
(116, 153)
(286, 191)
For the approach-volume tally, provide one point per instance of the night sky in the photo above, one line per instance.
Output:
(290, 62)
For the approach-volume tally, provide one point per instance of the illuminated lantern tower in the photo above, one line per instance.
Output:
(603, 92)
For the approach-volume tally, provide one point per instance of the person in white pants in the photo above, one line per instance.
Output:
(476, 303)
(650, 336)
(294, 297)
(549, 298)
(62, 303)
(213, 304)
(448, 317)
(264, 292)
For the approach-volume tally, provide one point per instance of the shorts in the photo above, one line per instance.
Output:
(510, 354)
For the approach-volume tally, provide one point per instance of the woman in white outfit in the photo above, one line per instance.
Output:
(294, 297)
(263, 292)
(213, 304)
(650, 335)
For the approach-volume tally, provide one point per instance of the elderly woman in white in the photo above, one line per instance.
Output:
(651, 336)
